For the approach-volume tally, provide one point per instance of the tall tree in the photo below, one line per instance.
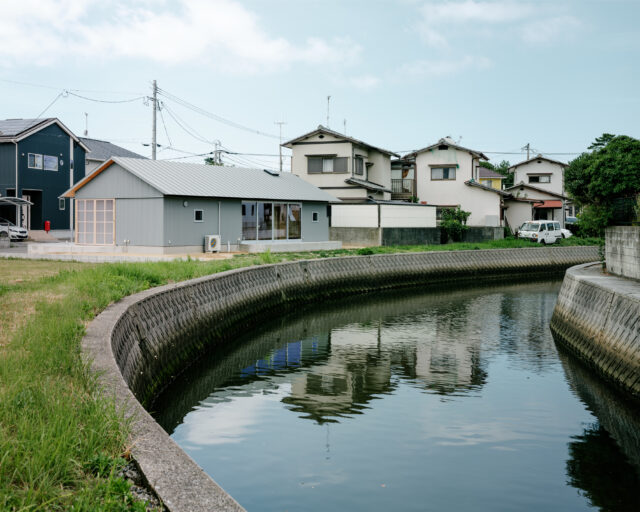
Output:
(601, 178)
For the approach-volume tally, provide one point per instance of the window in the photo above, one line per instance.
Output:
(50, 163)
(359, 165)
(34, 161)
(271, 221)
(61, 204)
(326, 164)
(198, 215)
(443, 173)
(95, 221)
(486, 182)
(314, 217)
(539, 179)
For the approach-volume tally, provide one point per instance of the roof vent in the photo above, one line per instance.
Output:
(443, 147)
(272, 173)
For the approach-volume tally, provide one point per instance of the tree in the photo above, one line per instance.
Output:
(454, 223)
(212, 161)
(599, 179)
(502, 168)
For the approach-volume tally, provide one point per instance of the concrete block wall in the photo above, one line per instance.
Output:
(622, 251)
(597, 317)
(140, 343)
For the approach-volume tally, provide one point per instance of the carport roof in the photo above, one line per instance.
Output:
(199, 180)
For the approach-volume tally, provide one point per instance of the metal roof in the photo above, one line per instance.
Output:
(13, 127)
(199, 180)
(483, 172)
(102, 150)
(13, 201)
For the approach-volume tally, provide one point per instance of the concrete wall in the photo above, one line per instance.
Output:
(383, 215)
(364, 237)
(411, 236)
(596, 317)
(139, 343)
(354, 215)
(622, 251)
(517, 213)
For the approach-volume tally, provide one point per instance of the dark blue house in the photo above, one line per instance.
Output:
(39, 160)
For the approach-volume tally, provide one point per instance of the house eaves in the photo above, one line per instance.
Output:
(522, 184)
(323, 130)
(369, 185)
(36, 127)
(536, 158)
(444, 142)
(472, 183)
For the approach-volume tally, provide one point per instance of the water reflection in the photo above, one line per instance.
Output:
(355, 350)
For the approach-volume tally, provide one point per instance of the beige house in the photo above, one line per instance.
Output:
(538, 192)
(448, 175)
(346, 168)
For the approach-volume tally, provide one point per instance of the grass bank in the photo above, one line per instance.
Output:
(61, 442)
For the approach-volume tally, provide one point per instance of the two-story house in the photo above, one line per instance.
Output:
(448, 175)
(538, 192)
(347, 168)
(100, 151)
(39, 160)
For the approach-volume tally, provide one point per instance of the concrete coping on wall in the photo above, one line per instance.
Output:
(133, 343)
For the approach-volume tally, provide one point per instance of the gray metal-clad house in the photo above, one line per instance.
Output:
(169, 207)
(39, 160)
(100, 151)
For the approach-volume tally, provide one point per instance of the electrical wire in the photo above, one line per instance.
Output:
(165, 125)
(50, 104)
(213, 116)
(104, 101)
(182, 124)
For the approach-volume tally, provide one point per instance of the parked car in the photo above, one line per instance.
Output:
(570, 220)
(566, 233)
(14, 232)
(540, 231)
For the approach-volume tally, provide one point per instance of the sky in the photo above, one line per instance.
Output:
(493, 75)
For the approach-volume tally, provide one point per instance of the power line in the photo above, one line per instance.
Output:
(50, 104)
(164, 125)
(104, 101)
(213, 116)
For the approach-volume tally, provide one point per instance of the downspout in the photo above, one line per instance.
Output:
(219, 233)
(71, 168)
(18, 222)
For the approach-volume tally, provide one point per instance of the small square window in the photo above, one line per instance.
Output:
(61, 204)
(197, 215)
(314, 217)
(34, 161)
(50, 163)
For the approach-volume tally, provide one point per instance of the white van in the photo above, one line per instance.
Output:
(541, 231)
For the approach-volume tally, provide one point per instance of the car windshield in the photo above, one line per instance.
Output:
(529, 226)
(5, 222)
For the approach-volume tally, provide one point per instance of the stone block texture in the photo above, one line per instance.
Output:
(141, 343)
(622, 251)
(598, 318)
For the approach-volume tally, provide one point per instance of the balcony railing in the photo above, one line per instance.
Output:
(402, 187)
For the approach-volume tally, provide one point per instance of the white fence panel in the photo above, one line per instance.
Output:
(354, 215)
(407, 216)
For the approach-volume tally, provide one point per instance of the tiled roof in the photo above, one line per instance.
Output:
(14, 127)
(102, 150)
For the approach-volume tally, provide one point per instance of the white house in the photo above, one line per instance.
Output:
(447, 175)
(346, 168)
(538, 192)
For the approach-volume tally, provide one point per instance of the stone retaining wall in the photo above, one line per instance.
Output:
(140, 343)
(597, 316)
(622, 251)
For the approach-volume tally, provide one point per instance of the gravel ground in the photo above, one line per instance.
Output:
(139, 489)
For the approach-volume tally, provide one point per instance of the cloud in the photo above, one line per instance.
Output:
(209, 32)
(444, 67)
(533, 23)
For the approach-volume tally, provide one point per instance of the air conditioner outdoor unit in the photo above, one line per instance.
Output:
(212, 243)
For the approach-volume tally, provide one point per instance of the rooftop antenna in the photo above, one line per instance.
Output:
(345, 126)
(86, 124)
(328, 106)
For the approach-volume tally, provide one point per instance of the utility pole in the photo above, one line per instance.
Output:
(280, 123)
(528, 148)
(217, 158)
(154, 101)
(328, 106)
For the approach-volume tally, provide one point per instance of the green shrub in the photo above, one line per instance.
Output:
(454, 223)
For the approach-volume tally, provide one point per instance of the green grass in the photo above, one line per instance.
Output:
(61, 441)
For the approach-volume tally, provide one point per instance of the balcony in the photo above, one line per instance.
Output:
(402, 189)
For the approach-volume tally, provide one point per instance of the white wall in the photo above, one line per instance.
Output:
(517, 212)
(354, 215)
(391, 216)
(483, 205)
(401, 216)
(521, 173)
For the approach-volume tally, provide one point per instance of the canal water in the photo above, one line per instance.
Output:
(452, 400)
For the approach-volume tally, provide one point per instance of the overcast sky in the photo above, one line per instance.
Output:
(497, 74)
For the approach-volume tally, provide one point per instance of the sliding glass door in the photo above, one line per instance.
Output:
(271, 221)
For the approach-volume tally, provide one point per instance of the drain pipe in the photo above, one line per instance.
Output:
(219, 233)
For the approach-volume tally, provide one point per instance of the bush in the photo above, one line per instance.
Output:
(454, 223)
(593, 220)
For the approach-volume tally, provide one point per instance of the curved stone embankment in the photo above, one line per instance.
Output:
(597, 316)
(140, 343)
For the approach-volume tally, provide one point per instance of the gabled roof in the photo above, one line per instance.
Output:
(537, 189)
(199, 180)
(14, 130)
(369, 185)
(536, 158)
(324, 130)
(101, 150)
(472, 183)
(446, 141)
(483, 172)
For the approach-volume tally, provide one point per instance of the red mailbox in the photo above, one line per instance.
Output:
(47, 226)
